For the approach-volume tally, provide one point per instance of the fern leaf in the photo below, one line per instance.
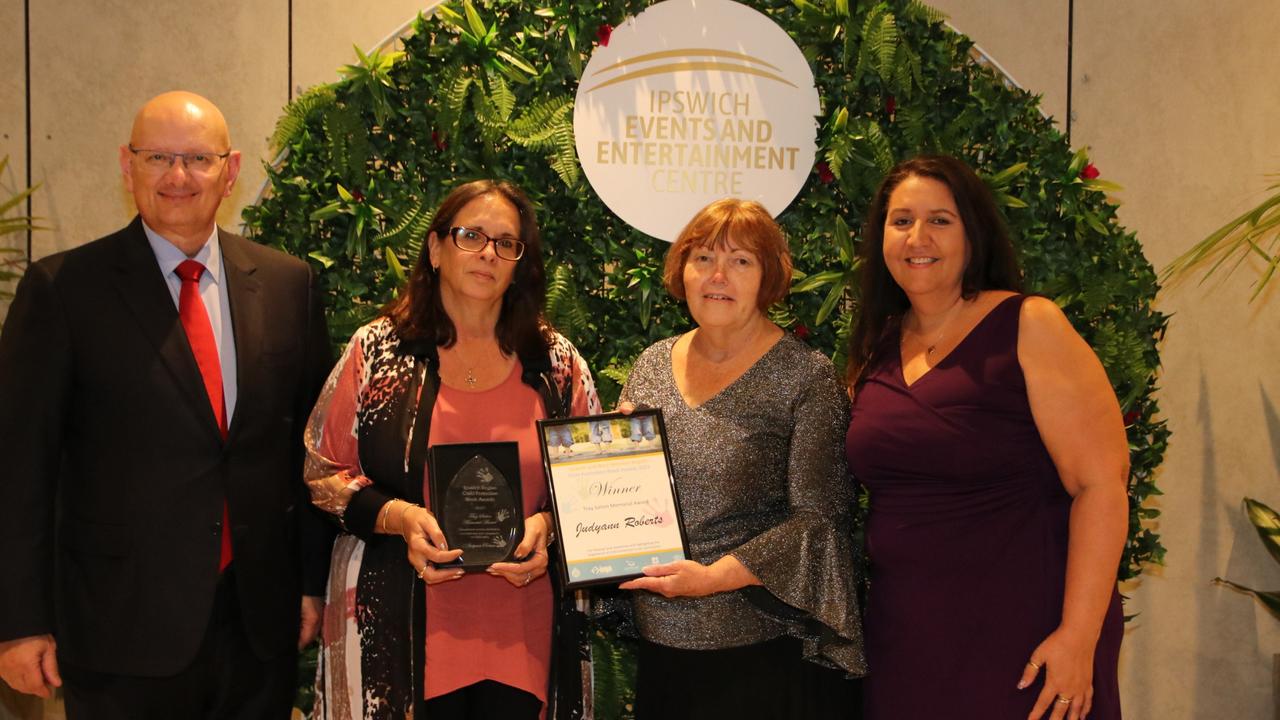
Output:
(881, 150)
(618, 373)
(501, 96)
(418, 216)
(917, 74)
(536, 127)
(902, 71)
(782, 315)
(565, 308)
(886, 45)
(349, 146)
(297, 113)
(337, 129)
(837, 153)
(565, 159)
(865, 50)
(916, 10)
(359, 150)
(455, 81)
(911, 123)
(486, 115)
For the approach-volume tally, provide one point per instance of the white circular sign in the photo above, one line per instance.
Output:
(691, 102)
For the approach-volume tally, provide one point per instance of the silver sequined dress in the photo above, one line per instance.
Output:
(760, 470)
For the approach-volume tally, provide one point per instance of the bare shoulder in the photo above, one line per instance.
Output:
(1041, 320)
(1048, 342)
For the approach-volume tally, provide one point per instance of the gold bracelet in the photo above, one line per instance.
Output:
(407, 505)
(386, 510)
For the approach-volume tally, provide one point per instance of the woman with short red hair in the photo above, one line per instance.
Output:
(763, 620)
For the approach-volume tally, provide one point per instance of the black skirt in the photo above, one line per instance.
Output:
(765, 681)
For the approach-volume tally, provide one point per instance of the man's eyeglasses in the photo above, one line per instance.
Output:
(161, 160)
(507, 248)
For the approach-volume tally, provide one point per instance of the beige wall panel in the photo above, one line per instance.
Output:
(13, 134)
(95, 62)
(1179, 106)
(1027, 37)
(324, 32)
(12, 95)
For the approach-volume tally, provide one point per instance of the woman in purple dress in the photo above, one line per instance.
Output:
(992, 447)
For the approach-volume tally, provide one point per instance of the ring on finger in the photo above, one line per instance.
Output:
(1063, 699)
(1035, 665)
(423, 572)
(528, 578)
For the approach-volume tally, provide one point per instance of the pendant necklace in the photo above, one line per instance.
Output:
(928, 350)
(470, 378)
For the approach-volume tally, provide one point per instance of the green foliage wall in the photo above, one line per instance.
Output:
(487, 91)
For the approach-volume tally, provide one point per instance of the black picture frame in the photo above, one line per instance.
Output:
(569, 478)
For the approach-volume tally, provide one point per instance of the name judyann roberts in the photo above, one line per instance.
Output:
(595, 528)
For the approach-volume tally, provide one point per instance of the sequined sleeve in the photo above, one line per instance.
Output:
(807, 560)
(761, 476)
(332, 470)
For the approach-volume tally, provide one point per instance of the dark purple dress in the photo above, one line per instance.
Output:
(967, 535)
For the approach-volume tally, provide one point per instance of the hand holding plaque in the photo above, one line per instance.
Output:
(613, 495)
(475, 496)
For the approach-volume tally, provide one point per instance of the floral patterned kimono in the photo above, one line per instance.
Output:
(366, 444)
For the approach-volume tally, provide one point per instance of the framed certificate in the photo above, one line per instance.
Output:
(613, 495)
(475, 496)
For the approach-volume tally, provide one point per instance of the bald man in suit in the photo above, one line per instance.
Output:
(153, 388)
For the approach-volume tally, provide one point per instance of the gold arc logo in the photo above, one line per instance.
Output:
(688, 65)
(688, 52)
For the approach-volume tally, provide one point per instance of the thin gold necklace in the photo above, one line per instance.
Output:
(470, 378)
(928, 350)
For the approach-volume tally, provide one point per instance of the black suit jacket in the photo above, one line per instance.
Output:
(111, 500)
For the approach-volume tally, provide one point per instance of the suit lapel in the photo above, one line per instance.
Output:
(137, 279)
(244, 291)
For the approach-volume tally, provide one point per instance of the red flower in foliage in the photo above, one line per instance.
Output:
(439, 141)
(1089, 172)
(824, 172)
(603, 32)
(891, 105)
(802, 332)
(1132, 416)
(357, 196)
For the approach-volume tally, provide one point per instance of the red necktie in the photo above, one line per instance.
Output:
(195, 321)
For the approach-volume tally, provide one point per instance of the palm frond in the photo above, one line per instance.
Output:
(1256, 231)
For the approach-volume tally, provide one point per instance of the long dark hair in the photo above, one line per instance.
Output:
(992, 262)
(418, 314)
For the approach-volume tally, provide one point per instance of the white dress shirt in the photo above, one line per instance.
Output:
(213, 291)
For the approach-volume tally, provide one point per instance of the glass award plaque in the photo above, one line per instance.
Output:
(475, 496)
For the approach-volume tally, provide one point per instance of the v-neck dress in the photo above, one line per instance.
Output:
(967, 535)
(761, 476)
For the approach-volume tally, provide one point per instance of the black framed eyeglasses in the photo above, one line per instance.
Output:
(162, 160)
(507, 248)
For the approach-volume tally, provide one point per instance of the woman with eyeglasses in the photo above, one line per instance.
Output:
(462, 355)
